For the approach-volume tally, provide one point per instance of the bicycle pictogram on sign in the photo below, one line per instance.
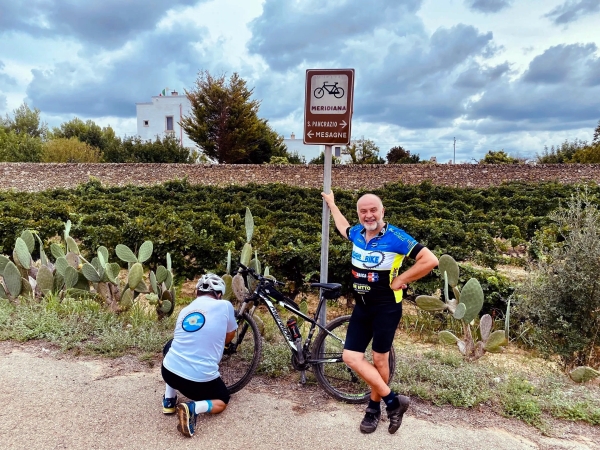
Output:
(331, 89)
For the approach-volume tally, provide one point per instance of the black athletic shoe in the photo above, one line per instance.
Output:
(395, 415)
(370, 421)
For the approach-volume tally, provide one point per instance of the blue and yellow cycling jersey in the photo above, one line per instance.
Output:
(377, 262)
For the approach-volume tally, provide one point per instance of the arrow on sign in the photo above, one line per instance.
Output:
(309, 134)
(344, 124)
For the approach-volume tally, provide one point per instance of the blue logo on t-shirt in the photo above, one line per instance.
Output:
(193, 322)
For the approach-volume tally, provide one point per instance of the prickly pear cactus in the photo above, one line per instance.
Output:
(465, 306)
(583, 374)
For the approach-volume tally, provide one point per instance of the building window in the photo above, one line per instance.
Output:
(170, 123)
(146, 123)
(337, 151)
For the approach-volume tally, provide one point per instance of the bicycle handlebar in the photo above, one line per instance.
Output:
(258, 276)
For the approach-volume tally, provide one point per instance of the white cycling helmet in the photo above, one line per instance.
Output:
(211, 283)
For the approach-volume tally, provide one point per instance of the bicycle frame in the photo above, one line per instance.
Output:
(261, 294)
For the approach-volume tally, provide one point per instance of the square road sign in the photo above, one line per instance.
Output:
(328, 106)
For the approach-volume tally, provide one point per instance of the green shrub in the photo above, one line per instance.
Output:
(561, 298)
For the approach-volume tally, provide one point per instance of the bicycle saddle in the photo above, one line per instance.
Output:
(326, 286)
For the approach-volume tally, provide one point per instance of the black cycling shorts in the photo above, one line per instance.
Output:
(195, 390)
(373, 322)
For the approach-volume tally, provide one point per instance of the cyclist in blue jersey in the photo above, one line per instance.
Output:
(191, 358)
(378, 251)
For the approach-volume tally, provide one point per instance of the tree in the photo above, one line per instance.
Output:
(498, 157)
(224, 120)
(561, 154)
(399, 155)
(19, 147)
(321, 159)
(72, 150)
(26, 121)
(596, 139)
(88, 132)
(136, 150)
(269, 145)
(363, 151)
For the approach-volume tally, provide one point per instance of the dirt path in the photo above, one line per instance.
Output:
(54, 401)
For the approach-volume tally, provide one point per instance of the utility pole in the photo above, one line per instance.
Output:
(454, 159)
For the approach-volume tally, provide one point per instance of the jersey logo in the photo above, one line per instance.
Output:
(193, 322)
(369, 260)
(371, 277)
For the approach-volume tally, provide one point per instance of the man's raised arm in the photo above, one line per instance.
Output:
(341, 223)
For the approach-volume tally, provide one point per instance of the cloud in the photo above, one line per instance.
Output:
(559, 90)
(6, 80)
(572, 10)
(111, 83)
(289, 34)
(488, 6)
(106, 24)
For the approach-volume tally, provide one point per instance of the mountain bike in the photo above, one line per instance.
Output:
(333, 89)
(323, 356)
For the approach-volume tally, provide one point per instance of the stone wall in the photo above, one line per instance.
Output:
(37, 177)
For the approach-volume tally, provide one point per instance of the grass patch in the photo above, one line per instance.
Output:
(85, 326)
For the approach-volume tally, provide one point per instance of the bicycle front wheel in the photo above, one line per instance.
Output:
(334, 376)
(237, 366)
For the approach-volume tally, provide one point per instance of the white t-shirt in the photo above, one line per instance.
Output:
(199, 339)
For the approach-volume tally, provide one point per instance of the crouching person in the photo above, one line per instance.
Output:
(191, 358)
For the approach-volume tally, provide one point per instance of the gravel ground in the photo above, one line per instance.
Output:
(55, 401)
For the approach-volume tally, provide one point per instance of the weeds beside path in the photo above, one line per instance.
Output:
(52, 400)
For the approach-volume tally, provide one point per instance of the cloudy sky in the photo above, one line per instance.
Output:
(494, 74)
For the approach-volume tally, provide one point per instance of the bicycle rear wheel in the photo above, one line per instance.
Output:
(335, 377)
(237, 368)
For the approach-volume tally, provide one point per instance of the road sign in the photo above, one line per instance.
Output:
(328, 107)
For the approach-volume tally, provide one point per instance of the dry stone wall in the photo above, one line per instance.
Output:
(36, 177)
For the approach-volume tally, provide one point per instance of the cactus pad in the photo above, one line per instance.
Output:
(460, 311)
(249, 224)
(161, 274)
(72, 245)
(448, 338)
(12, 279)
(246, 254)
(124, 253)
(57, 251)
(145, 251)
(239, 287)
(23, 253)
(90, 273)
(71, 277)
(45, 280)
(136, 273)
(583, 374)
(485, 326)
(448, 264)
(472, 297)
(429, 303)
(495, 342)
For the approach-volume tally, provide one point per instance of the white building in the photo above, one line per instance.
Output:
(162, 116)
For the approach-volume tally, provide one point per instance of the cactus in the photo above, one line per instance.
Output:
(465, 306)
(162, 292)
(583, 374)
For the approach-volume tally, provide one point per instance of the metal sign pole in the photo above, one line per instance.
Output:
(325, 228)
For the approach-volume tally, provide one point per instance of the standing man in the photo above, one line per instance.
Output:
(191, 362)
(377, 254)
